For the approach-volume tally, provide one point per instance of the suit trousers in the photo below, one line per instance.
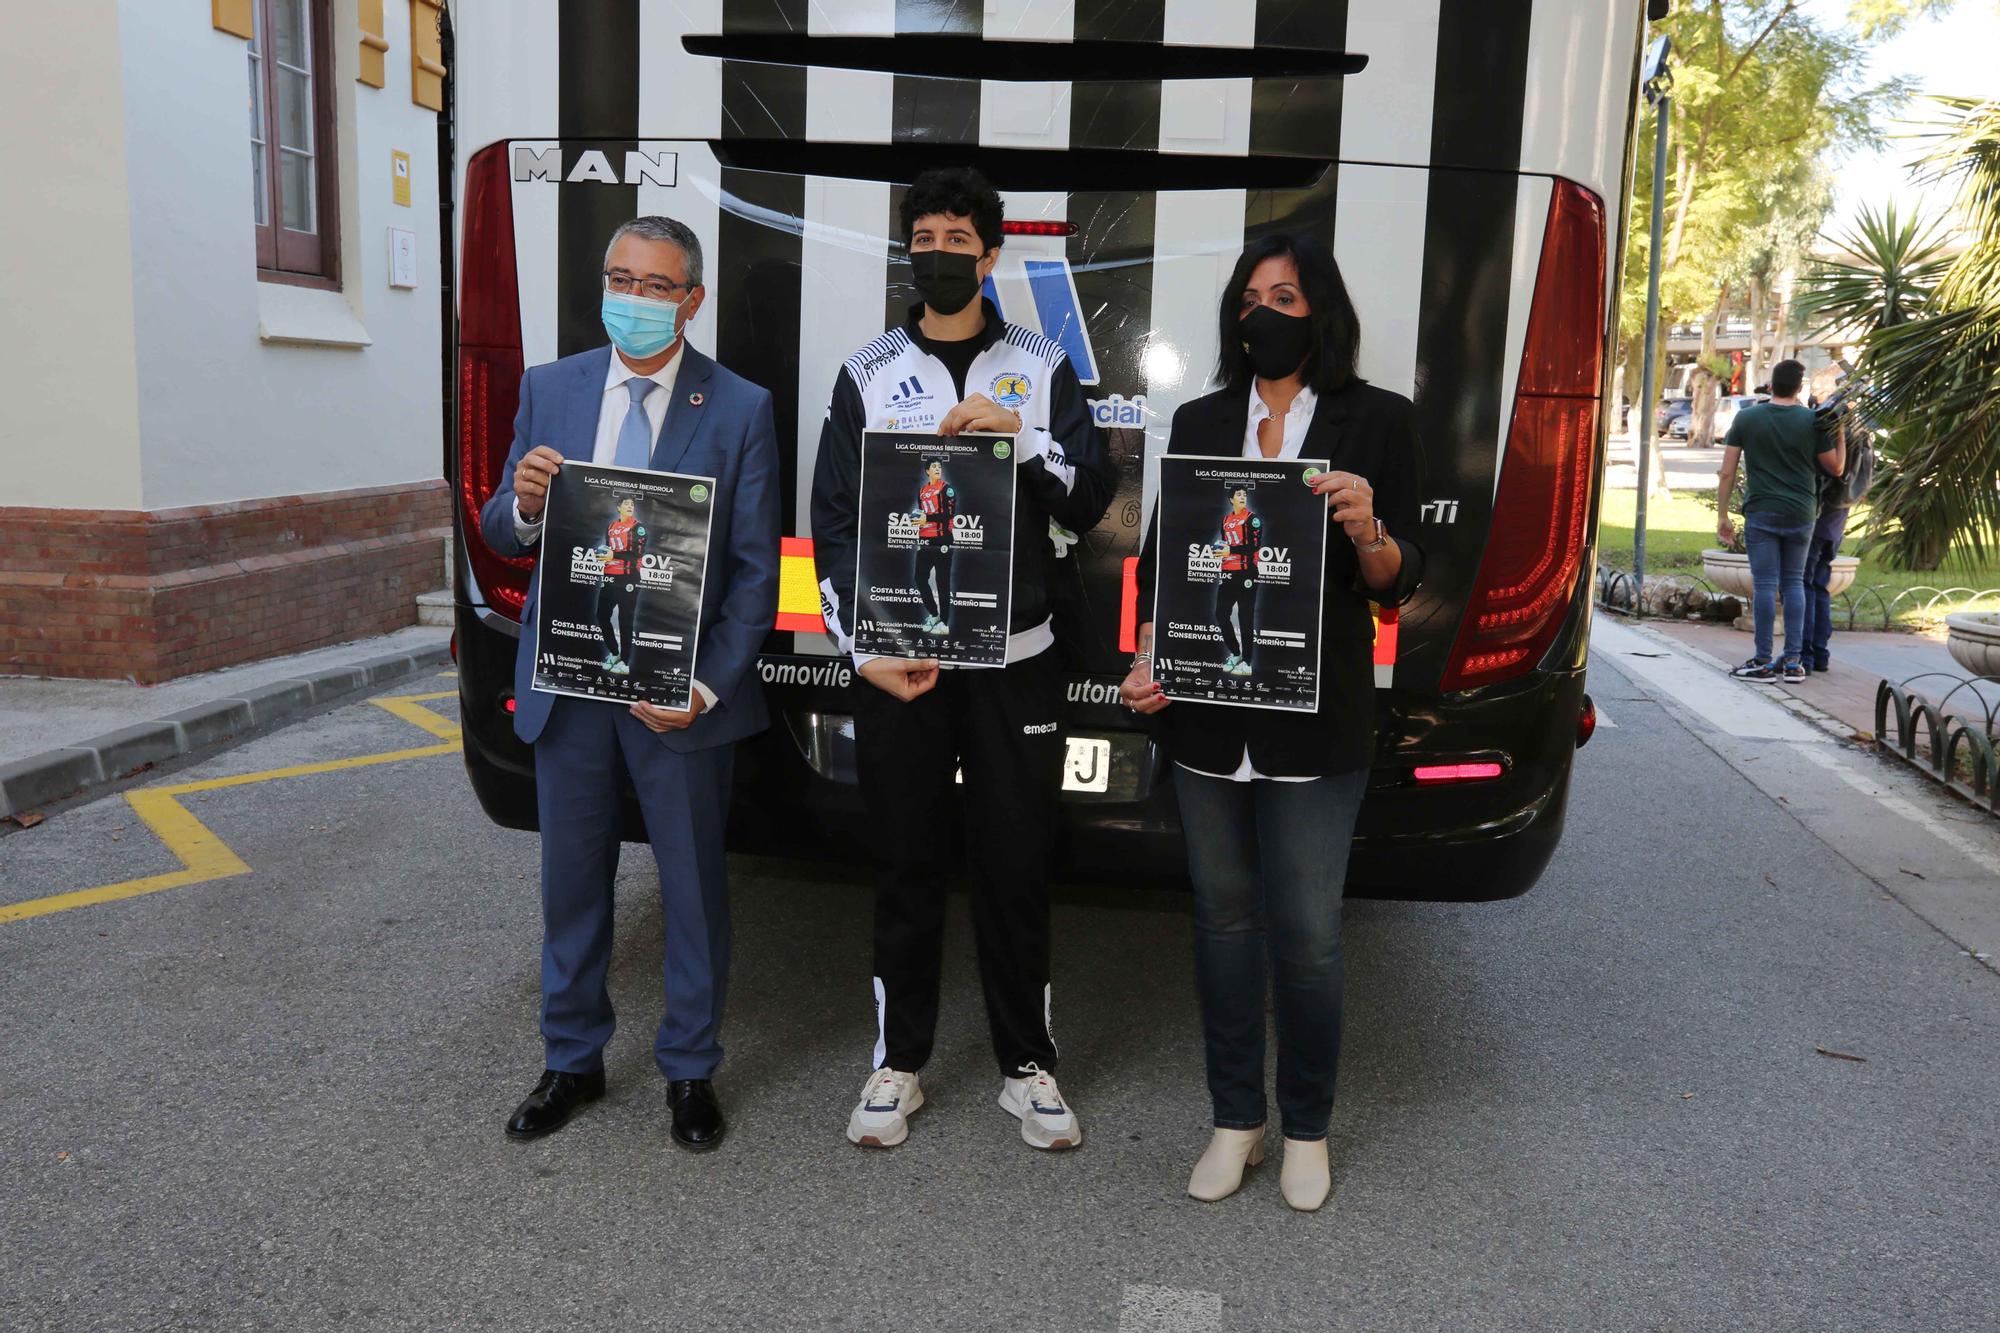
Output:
(582, 760)
(1000, 726)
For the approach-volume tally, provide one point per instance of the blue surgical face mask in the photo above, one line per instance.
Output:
(640, 327)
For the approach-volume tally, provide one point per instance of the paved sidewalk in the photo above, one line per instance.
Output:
(59, 736)
(1861, 660)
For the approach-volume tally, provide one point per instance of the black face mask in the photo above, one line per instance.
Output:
(1276, 343)
(947, 282)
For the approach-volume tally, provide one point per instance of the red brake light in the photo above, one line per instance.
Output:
(1429, 774)
(489, 368)
(1542, 509)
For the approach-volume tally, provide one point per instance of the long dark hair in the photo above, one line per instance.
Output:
(1336, 340)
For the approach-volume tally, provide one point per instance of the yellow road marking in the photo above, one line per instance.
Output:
(410, 707)
(205, 857)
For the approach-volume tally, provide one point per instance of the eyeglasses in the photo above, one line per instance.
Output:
(653, 289)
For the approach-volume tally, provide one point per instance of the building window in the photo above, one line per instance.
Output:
(292, 159)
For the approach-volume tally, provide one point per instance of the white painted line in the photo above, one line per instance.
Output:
(1604, 718)
(1144, 1309)
(1929, 823)
(1728, 705)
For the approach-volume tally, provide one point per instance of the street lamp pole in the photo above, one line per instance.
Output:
(1659, 83)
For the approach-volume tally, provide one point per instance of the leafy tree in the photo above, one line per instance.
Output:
(1935, 373)
(1760, 89)
(1888, 267)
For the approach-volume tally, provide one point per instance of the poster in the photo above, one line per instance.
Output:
(618, 591)
(935, 571)
(1237, 600)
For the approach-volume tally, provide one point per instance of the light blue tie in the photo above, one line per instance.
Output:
(635, 436)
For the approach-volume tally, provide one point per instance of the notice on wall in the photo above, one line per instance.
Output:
(1237, 602)
(935, 568)
(618, 585)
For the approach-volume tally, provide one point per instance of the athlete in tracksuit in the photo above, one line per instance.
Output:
(937, 505)
(623, 547)
(915, 725)
(1236, 590)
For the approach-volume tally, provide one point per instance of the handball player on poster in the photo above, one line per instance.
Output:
(619, 593)
(1236, 616)
(934, 569)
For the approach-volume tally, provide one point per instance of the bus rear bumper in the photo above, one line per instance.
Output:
(795, 792)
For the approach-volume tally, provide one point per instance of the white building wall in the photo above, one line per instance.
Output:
(69, 420)
(250, 389)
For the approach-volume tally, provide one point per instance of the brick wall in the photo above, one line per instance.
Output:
(147, 596)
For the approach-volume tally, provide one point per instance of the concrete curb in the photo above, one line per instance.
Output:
(1791, 703)
(55, 774)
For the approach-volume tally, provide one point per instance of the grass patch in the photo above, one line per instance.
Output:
(1680, 527)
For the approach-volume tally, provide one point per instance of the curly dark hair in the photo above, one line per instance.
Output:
(961, 192)
(1336, 340)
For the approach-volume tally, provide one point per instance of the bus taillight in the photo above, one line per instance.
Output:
(489, 369)
(1541, 512)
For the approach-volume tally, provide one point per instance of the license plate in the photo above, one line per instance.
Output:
(1087, 767)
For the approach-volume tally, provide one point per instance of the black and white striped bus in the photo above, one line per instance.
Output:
(1468, 161)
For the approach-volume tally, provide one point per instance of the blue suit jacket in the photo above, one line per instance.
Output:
(727, 434)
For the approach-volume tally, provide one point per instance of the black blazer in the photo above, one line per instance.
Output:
(1361, 429)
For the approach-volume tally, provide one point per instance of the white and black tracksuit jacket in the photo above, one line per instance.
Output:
(894, 383)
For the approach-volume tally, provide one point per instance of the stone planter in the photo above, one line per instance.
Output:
(1974, 641)
(1729, 572)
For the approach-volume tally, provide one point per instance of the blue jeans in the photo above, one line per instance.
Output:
(1820, 551)
(1269, 865)
(1777, 549)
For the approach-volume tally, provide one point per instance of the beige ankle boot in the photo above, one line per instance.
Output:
(1220, 1171)
(1305, 1180)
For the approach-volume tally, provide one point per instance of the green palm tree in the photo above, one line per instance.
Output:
(1935, 375)
(1895, 263)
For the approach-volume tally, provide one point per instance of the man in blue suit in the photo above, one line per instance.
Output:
(648, 401)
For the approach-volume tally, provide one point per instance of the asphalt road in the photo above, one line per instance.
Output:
(274, 1099)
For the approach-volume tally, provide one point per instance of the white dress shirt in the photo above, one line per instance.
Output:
(1298, 420)
(611, 410)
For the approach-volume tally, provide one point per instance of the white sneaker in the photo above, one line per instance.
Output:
(1046, 1120)
(888, 1100)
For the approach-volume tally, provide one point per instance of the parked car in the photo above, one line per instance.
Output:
(1671, 420)
(1727, 408)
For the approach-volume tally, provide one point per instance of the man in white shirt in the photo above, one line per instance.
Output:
(648, 401)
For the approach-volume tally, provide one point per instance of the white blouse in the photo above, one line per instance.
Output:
(1298, 420)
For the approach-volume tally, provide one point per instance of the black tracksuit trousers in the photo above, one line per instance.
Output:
(1001, 727)
(933, 561)
(1237, 590)
(623, 597)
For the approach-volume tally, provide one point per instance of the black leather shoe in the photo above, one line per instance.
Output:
(698, 1122)
(554, 1100)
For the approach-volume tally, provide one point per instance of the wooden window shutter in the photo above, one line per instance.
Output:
(373, 43)
(426, 55)
(234, 17)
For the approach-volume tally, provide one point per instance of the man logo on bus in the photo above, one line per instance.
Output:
(1010, 390)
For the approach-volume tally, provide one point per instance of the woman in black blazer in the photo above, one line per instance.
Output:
(1268, 798)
